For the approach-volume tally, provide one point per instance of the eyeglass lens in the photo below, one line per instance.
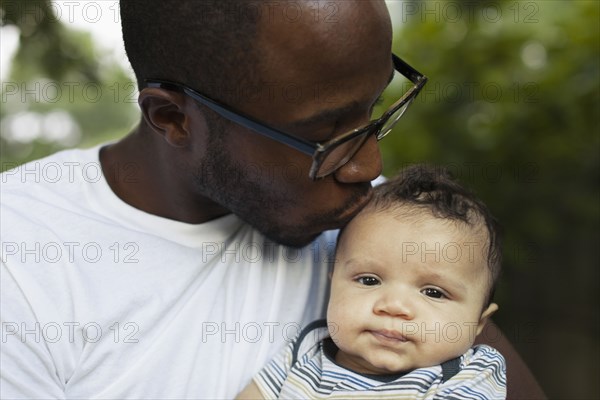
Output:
(340, 155)
(389, 124)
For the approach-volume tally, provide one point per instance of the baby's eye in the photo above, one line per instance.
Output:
(368, 280)
(434, 293)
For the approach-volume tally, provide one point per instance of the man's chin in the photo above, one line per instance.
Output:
(301, 235)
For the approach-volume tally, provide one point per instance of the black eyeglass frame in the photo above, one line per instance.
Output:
(317, 150)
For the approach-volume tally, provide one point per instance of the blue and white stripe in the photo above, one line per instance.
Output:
(482, 375)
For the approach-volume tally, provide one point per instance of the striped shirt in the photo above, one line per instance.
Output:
(306, 370)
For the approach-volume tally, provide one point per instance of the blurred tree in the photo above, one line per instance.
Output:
(56, 95)
(47, 48)
(512, 109)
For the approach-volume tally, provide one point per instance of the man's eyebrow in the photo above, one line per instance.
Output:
(331, 114)
(334, 113)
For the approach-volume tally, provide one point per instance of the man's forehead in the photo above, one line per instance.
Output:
(350, 26)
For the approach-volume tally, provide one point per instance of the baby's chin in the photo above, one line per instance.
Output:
(380, 367)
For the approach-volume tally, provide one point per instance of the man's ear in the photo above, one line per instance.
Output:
(485, 315)
(164, 112)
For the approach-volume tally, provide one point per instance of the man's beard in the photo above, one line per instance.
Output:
(227, 183)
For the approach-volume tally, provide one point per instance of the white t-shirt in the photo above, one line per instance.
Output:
(102, 300)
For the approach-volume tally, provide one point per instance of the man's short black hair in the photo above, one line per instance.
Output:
(208, 45)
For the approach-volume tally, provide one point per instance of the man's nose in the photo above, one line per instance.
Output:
(364, 166)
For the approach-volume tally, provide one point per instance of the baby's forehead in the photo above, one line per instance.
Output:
(419, 215)
(415, 229)
(416, 234)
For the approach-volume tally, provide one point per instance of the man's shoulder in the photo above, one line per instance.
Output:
(38, 191)
(66, 166)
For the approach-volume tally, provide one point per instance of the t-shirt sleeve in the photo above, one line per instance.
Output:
(482, 377)
(271, 378)
(27, 368)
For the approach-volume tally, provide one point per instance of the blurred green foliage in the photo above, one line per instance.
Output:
(48, 48)
(56, 78)
(511, 109)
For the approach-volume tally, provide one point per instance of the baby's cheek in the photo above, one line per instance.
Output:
(338, 314)
(335, 312)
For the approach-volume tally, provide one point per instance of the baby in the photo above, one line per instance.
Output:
(412, 286)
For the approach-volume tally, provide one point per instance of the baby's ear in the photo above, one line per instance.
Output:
(485, 315)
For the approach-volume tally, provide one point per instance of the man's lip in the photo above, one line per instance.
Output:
(389, 335)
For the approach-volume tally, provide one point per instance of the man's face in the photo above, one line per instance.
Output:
(319, 78)
(406, 294)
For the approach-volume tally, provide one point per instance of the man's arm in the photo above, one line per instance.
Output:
(27, 368)
(521, 384)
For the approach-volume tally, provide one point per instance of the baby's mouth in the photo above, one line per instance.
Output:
(389, 336)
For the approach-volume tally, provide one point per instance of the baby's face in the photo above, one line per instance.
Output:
(406, 293)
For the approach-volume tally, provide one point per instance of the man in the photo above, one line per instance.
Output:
(182, 267)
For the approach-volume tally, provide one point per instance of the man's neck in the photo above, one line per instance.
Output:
(140, 170)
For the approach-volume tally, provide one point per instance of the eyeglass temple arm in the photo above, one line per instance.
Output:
(246, 121)
(408, 71)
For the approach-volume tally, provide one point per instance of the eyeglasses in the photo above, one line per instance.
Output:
(327, 156)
